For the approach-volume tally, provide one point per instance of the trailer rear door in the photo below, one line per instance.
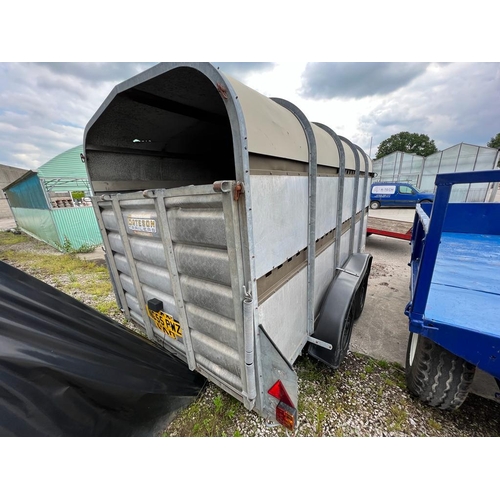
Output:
(175, 256)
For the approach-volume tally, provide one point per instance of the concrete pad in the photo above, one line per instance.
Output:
(7, 223)
(96, 256)
(382, 329)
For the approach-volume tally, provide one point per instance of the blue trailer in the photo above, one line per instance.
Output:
(454, 311)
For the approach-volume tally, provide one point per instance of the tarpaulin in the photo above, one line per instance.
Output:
(67, 370)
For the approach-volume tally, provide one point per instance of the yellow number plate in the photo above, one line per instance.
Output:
(166, 323)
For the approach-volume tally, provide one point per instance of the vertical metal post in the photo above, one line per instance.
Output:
(312, 180)
(432, 240)
(133, 269)
(494, 189)
(400, 166)
(45, 193)
(365, 190)
(340, 192)
(473, 168)
(168, 247)
(458, 157)
(242, 296)
(355, 194)
(421, 174)
(115, 275)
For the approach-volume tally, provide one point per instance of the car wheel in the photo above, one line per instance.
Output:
(426, 201)
(374, 205)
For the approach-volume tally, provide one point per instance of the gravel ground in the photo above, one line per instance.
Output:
(367, 396)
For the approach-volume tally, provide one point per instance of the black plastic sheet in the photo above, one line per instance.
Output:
(67, 370)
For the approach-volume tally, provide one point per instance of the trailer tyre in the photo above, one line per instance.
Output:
(345, 338)
(436, 376)
(359, 302)
(374, 205)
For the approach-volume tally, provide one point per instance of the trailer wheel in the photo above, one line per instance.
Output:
(359, 302)
(345, 338)
(374, 205)
(436, 376)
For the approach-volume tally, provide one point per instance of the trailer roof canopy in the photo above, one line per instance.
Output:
(180, 124)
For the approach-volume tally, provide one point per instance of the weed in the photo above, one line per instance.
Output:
(399, 418)
(218, 403)
(434, 424)
(320, 418)
(67, 247)
(380, 393)
(383, 364)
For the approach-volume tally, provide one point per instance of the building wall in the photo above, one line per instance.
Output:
(7, 175)
(37, 223)
(5, 211)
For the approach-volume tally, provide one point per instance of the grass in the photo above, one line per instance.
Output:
(82, 279)
(9, 238)
(216, 415)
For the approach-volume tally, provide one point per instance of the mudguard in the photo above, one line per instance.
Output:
(341, 300)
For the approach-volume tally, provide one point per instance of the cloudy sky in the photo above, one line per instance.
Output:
(44, 107)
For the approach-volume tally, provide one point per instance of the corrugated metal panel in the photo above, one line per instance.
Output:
(79, 225)
(37, 223)
(199, 245)
(67, 165)
(27, 194)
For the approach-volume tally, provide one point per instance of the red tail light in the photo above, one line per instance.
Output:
(286, 413)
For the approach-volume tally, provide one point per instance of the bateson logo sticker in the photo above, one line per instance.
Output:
(143, 225)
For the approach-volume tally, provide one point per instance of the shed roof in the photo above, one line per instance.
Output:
(65, 165)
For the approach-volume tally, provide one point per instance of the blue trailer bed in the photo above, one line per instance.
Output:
(454, 311)
(465, 285)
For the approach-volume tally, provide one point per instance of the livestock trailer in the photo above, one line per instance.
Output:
(455, 294)
(234, 228)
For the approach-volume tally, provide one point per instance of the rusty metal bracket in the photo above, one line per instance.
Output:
(222, 90)
(238, 189)
(226, 186)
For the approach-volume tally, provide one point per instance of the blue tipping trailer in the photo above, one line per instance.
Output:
(454, 311)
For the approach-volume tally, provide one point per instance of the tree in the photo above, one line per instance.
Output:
(495, 142)
(407, 142)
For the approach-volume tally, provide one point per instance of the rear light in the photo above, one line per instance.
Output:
(286, 413)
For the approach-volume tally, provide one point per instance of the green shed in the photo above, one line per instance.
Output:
(53, 203)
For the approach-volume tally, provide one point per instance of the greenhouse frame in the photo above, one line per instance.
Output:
(53, 203)
(421, 172)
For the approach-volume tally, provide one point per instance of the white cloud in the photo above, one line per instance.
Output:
(44, 107)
